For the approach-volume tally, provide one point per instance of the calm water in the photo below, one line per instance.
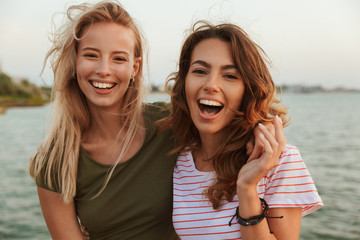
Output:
(325, 127)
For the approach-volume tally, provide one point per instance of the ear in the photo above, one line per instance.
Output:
(136, 66)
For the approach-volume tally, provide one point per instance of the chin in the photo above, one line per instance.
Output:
(205, 130)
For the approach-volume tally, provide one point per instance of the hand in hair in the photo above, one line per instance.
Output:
(255, 147)
(273, 142)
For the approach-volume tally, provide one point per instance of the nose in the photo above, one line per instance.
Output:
(103, 68)
(212, 83)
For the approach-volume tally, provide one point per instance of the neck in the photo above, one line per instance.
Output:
(209, 146)
(105, 126)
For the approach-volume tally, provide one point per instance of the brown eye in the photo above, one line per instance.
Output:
(230, 76)
(199, 71)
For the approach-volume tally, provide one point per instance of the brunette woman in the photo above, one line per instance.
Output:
(222, 90)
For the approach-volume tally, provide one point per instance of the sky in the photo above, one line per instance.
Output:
(308, 42)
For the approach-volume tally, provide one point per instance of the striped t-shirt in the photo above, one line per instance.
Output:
(288, 184)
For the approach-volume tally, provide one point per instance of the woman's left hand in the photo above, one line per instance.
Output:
(255, 169)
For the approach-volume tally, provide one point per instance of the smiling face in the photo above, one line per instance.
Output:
(105, 64)
(213, 87)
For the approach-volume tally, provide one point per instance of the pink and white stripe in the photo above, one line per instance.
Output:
(288, 184)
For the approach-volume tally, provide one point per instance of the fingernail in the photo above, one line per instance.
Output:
(261, 136)
(261, 125)
(278, 118)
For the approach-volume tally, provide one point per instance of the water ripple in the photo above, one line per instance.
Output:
(325, 128)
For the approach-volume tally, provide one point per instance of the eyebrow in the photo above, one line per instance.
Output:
(205, 64)
(97, 50)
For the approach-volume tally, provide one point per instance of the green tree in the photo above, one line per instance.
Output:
(7, 87)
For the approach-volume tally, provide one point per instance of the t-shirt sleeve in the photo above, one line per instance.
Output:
(41, 180)
(289, 184)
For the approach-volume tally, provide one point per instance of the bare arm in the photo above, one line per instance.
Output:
(60, 217)
(286, 228)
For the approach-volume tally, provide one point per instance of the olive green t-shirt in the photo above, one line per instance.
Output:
(137, 201)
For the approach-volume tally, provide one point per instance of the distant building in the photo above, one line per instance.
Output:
(300, 88)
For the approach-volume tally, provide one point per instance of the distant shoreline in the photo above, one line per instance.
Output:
(296, 88)
(13, 102)
(21, 93)
(305, 90)
(313, 89)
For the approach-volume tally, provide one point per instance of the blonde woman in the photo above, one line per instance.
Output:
(102, 160)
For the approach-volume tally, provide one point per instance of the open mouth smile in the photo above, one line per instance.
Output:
(210, 107)
(102, 85)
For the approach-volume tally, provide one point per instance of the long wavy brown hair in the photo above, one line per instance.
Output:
(258, 104)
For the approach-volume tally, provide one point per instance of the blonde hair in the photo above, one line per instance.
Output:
(55, 162)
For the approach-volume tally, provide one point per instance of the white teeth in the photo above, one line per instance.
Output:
(210, 102)
(102, 85)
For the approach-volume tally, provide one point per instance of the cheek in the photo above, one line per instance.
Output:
(192, 86)
(240, 98)
(82, 68)
(122, 73)
(237, 93)
(191, 91)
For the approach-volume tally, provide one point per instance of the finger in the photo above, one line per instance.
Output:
(271, 140)
(258, 150)
(267, 134)
(279, 134)
(267, 146)
(266, 157)
(269, 159)
(250, 146)
(270, 127)
(258, 147)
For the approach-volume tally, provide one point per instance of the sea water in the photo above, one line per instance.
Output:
(325, 127)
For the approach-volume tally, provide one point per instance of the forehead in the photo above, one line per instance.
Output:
(108, 34)
(213, 49)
